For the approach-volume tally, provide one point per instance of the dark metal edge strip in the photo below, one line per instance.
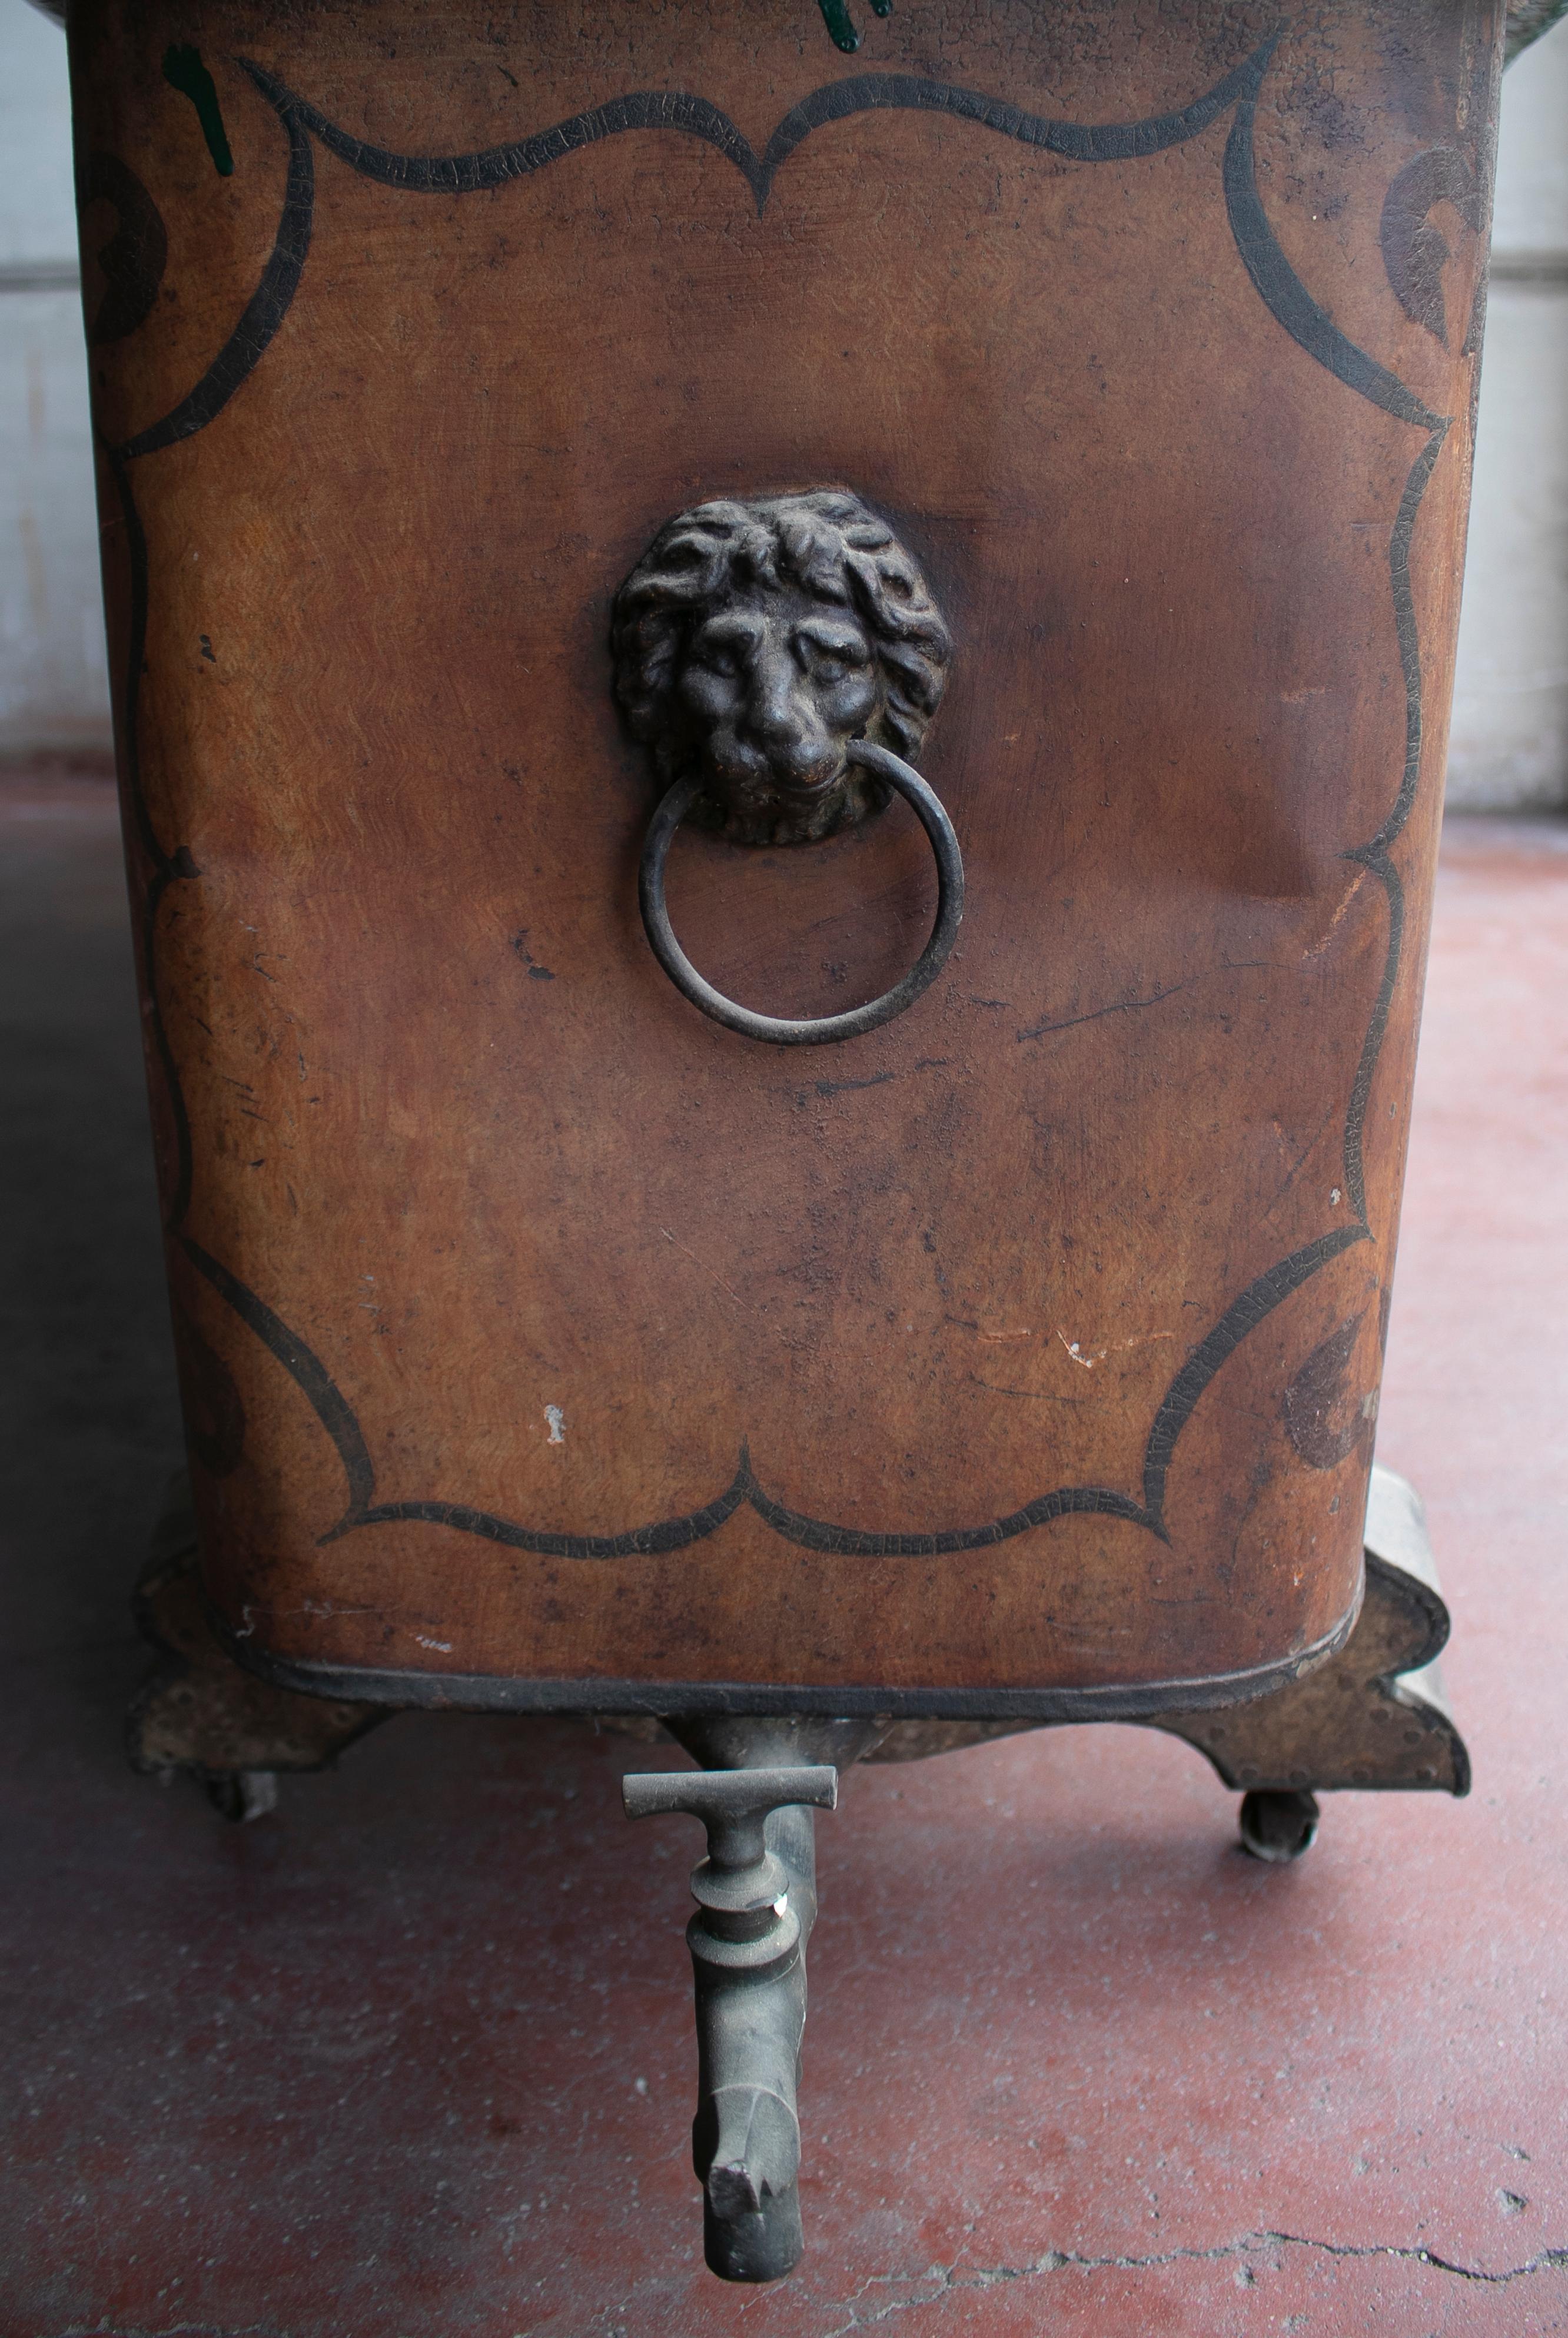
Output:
(487, 1693)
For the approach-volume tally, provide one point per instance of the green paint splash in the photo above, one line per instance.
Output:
(840, 24)
(184, 71)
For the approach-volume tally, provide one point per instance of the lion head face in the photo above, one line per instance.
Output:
(754, 641)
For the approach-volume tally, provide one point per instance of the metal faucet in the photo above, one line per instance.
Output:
(756, 1895)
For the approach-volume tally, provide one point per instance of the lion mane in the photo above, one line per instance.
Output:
(825, 542)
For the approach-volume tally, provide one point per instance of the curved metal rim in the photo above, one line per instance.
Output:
(1153, 1702)
(785, 1031)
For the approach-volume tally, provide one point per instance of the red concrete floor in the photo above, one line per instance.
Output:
(413, 2058)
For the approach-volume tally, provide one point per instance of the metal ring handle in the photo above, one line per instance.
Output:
(808, 1031)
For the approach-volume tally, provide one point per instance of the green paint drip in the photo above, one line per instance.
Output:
(184, 71)
(835, 17)
(885, 8)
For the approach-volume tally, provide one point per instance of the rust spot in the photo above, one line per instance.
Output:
(1324, 1420)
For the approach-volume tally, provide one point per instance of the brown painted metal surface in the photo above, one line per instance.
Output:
(536, 1330)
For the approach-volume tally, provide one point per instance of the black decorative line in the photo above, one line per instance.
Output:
(1292, 305)
(1375, 856)
(235, 361)
(1077, 141)
(1259, 1298)
(1413, 252)
(1287, 298)
(491, 166)
(304, 1368)
(1290, 302)
(1243, 1315)
(264, 311)
(1408, 636)
(167, 867)
(641, 1542)
(136, 254)
(852, 1542)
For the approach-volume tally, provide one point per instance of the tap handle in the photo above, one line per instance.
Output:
(734, 1805)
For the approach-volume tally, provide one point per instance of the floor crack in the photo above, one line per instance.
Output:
(942, 2280)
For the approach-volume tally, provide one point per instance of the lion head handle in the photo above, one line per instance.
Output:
(755, 641)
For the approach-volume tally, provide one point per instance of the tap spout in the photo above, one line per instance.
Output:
(746, 1942)
(756, 1894)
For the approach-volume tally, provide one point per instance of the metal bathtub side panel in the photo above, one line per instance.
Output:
(536, 1330)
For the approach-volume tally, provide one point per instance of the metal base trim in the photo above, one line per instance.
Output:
(498, 1692)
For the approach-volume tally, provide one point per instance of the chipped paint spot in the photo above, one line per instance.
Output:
(1139, 1340)
(557, 1422)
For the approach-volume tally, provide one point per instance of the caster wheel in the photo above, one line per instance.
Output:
(1278, 1826)
(241, 1795)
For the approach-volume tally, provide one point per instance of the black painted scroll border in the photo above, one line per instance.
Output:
(1292, 305)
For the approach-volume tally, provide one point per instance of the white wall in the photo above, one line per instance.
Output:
(53, 683)
(1510, 738)
(1509, 744)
